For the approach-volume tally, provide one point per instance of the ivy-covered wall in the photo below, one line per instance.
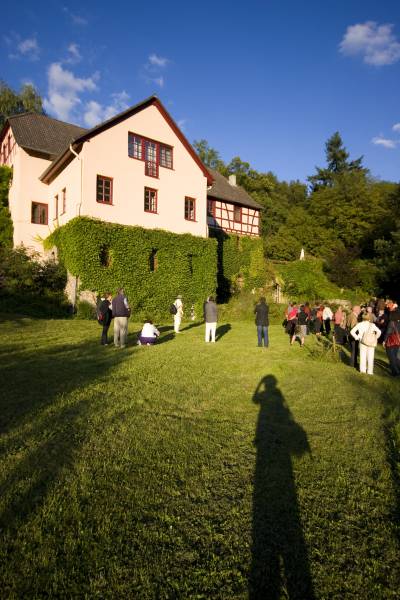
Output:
(152, 265)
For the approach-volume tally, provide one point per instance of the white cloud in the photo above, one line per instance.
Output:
(64, 89)
(385, 142)
(95, 113)
(28, 48)
(158, 61)
(396, 127)
(76, 19)
(375, 43)
(74, 54)
(182, 123)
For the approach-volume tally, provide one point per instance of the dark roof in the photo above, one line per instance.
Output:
(87, 134)
(223, 190)
(43, 134)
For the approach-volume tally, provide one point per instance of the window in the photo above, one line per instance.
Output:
(104, 189)
(39, 213)
(237, 214)
(150, 200)
(153, 260)
(64, 201)
(211, 208)
(56, 206)
(165, 156)
(153, 153)
(135, 146)
(105, 256)
(151, 168)
(190, 209)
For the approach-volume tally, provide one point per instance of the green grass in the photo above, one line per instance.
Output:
(193, 471)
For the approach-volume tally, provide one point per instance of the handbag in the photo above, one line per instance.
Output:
(393, 339)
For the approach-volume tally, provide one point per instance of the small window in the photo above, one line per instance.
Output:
(150, 200)
(190, 209)
(39, 213)
(153, 260)
(135, 146)
(151, 167)
(56, 206)
(105, 256)
(165, 156)
(237, 214)
(64, 201)
(211, 208)
(104, 190)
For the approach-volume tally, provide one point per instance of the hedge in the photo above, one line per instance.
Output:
(152, 265)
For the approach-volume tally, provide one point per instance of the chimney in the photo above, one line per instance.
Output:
(232, 180)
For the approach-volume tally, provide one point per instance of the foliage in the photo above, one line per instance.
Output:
(6, 226)
(185, 264)
(306, 280)
(13, 103)
(85, 310)
(208, 155)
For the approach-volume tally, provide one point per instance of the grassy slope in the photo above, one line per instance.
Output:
(187, 470)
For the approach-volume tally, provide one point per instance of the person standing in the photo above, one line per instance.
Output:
(301, 327)
(262, 321)
(210, 317)
(105, 314)
(327, 316)
(179, 312)
(391, 342)
(121, 313)
(351, 321)
(367, 334)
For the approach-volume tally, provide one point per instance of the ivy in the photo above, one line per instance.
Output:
(153, 266)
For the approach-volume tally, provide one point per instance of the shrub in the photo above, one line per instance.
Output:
(85, 310)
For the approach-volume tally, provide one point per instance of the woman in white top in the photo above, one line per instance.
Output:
(367, 334)
(148, 335)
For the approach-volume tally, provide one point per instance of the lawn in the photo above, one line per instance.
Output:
(189, 470)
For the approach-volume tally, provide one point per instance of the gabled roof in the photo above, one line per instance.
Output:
(221, 189)
(42, 134)
(65, 156)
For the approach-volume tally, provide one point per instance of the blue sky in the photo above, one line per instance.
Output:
(268, 81)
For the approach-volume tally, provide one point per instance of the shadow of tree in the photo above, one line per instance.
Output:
(280, 567)
(42, 426)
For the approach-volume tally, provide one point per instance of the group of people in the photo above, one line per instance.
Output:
(362, 327)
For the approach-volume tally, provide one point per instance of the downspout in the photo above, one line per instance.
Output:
(79, 214)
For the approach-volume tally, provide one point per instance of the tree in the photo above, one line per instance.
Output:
(13, 103)
(6, 226)
(208, 155)
(338, 162)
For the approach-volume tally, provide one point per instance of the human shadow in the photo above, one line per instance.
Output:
(191, 325)
(280, 565)
(222, 330)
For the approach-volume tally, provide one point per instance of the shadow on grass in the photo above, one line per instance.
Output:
(280, 567)
(191, 325)
(44, 427)
(222, 330)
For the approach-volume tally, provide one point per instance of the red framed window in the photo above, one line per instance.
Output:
(64, 201)
(237, 214)
(190, 209)
(150, 200)
(153, 153)
(39, 213)
(165, 156)
(104, 189)
(211, 208)
(135, 146)
(56, 206)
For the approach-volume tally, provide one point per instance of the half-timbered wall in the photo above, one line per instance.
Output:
(224, 215)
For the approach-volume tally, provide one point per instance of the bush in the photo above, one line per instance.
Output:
(85, 310)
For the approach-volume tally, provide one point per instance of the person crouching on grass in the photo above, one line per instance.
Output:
(149, 334)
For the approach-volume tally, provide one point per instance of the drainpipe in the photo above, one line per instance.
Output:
(79, 213)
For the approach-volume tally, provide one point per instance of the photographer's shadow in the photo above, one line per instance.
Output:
(280, 566)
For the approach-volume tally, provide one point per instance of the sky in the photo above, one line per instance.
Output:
(269, 81)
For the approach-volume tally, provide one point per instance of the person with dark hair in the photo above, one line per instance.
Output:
(351, 321)
(121, 313)
(391, 342)
(149, 334)
(262, 321)
(210, 317)
(104, 317)
(301, 327)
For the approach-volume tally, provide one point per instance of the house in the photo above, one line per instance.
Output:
(136, 168)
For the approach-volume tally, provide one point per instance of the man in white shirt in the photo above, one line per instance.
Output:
(367, 334)
(178, 315)
(327, 316)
